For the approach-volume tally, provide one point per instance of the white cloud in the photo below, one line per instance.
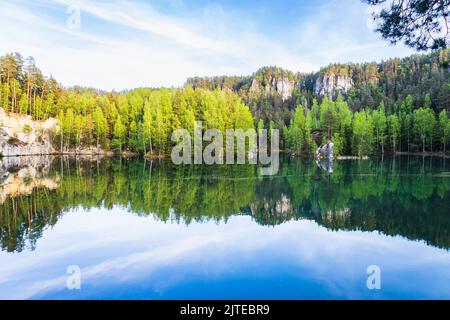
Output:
(338, 32)
(114, 248)
(125, 44)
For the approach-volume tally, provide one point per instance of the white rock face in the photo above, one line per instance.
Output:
(255, 85)
(281, 86)
(20, 135)
(285, 88)
(331, 84)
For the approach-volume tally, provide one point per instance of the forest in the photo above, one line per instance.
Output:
(398, 105)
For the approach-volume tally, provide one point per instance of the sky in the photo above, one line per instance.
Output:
(124, 44)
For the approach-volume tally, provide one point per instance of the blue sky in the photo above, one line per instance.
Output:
(124, 44)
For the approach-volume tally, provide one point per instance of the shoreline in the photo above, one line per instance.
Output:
(130, 154)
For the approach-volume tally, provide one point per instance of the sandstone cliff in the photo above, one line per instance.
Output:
(331, 84)
(280, 86)
(20, 135)
(273, 81)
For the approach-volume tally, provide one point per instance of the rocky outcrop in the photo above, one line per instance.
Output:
(285, 88)
(281, 86)
(331, 84)
(20, 135)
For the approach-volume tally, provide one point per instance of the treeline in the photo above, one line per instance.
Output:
(264, 101)
(368, 131)
(400, 85)
(140, 120)
(395, 105)
(143, 120)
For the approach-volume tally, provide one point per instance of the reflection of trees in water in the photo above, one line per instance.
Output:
(408, 197)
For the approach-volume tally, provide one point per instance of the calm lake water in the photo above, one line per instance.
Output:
(141, 229)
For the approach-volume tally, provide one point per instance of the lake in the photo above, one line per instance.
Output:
(137, 229)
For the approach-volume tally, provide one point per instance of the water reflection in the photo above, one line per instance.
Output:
(325, 164)
(405, 196)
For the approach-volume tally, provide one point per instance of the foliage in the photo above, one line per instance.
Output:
(421, 24)
(142, 120)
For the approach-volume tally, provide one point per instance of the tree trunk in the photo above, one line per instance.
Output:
(151, 148)
(61, 142)
(408, 142)
(28, 91)
(34, 105)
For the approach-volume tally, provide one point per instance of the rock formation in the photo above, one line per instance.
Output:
(331, 84)
(281, 86)
(20, 135)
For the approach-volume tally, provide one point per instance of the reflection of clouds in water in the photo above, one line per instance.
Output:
(115, 248)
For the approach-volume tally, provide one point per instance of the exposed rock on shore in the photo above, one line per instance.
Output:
(20, 135)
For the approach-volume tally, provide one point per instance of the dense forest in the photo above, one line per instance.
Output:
(139, 120)
(359, 195)
(396, 105)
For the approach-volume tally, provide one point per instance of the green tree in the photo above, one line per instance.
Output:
(119, 134)
(133, 139)
(297, 134)
(362, 133)
(100, 125)
(424, 124)
(260, 124)
(79, 128)
(444, 128)
(344, 122)
(69, 127)
(148, 123)
(380, 126)
(328, 116)
(394, 130)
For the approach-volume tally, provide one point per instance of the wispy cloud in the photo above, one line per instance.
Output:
(125, 44)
